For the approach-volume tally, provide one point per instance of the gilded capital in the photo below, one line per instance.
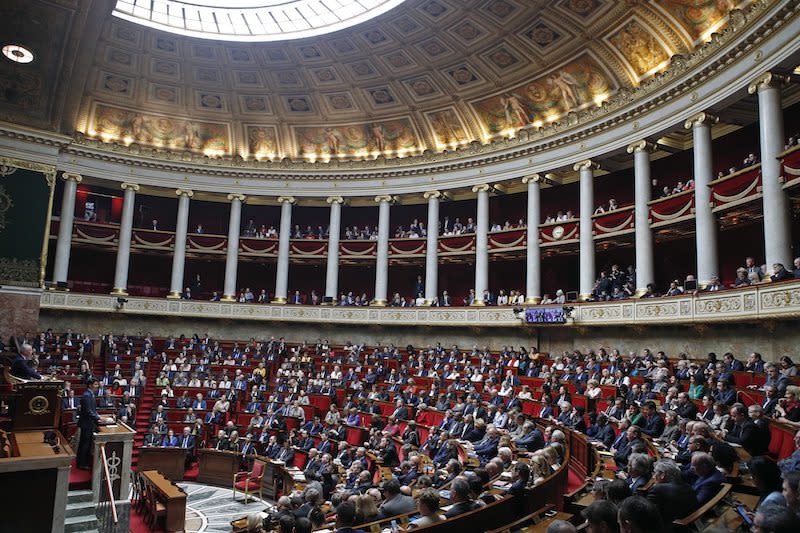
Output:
(700, 119)
(286, 199)
(432, 194)
(335, 200)
(533, 178)
(184, 192)
(69, 176)
(642, 146)
(237, 196)
(130, 186)
(766, 81)
(481, 188)
(385, 198)
(586, 164)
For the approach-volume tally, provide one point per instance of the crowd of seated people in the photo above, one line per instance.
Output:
(561, 216)
(748, 161)
(688, 408)
(611, 206)
(680, 186)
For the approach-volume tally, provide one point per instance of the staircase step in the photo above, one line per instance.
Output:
(80, 509)
(79, 496)
(74, 524)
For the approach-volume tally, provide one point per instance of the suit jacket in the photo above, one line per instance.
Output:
(460, 508)
(706, 487)
(606, 435)
(747, 436)
(89, 417)
(21, 369)
(400, 504)
(674, 500)
(654, 426)
(70, 403)
(389, 456)
(688, 410)
(532, 441)
(168, 442)
(186, 442)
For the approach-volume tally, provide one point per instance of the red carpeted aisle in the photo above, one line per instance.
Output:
(138, 525)
(79, 479)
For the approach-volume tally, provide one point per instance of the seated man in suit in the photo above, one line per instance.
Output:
(706, 480)
(653, 424)
(395, 502)
(186, 440)
(153, 438)
(486, 449)
(638, 473)
(22, 366)
(744, 432)
(672, 495)
(461, 497)
(686, 407)
(388, 454)
(532, 438)
(632, 439)
(605, 431)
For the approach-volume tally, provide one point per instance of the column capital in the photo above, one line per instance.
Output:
(184, 192)
(533, 178)
(586, 164)
(700, 119)
(642, 146)
(335, 200)
(286, 199)
(130, 186)
(767, 80)
(385, 198)
(70, 176)
(484, 187)
(237, 196)
(432, 194)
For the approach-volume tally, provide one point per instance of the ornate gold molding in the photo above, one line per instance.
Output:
(334, 200)
(129, 186)
(236, 196)
(285, 199)
(184, 192)
(385, 198)
(766, 81)
(432, 194)
(484, 187)
(703, 118)
(533, 178)
(69, 176)
(642, 146)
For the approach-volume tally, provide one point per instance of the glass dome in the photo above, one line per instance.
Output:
(251, 20)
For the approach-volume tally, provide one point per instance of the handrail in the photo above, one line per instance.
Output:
(107, 478)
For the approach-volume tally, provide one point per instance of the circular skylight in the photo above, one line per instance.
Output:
(251, 20)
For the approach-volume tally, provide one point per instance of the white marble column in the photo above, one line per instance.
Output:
(124, 243)
(382, 255)
(284, 245)
(432, 250)
(179, 253)
(481, 244)
(643, 188)
(705, 223)
(334, 229)
(533, 256)
(232, 254)
(587, 259)
(777, 224)
(64, 243)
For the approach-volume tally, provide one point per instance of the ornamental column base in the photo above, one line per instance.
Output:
(478, 303)
(279, 300)
(174, 295)
(117, 291)
(640, 292)
(536, 300)
(228, 298)
(379, 303)
(584, 297)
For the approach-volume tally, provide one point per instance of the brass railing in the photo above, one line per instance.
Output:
(106, 512)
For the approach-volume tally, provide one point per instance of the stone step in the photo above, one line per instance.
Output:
(80, 509)
(75, 524)
(79, 496)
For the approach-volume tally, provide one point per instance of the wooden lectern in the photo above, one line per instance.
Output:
(169, 461)
(37, 404)
(218, 467)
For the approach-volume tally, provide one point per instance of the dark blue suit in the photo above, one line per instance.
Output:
(21, 369)
(706, 487)
(87, 422)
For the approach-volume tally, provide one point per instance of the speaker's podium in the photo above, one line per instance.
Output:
(218, 467)
(169, 461)
(117, 439)
(35, 459)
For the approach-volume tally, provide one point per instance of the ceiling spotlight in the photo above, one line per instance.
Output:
(17, 53)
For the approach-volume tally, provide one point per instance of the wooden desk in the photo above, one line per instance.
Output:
(218, 467)
(169, 461)
(541, 527)
(173, 498)
(277, 478)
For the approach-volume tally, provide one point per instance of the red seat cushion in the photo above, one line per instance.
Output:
(246, 484)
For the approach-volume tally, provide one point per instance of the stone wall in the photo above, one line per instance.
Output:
(772, 339)
(19, 310)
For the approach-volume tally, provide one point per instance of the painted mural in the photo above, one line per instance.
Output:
(262, 141)
(572, 86)
(125, 125)
(639, 47)
(447, 128)
(388, 136)
(699, 16)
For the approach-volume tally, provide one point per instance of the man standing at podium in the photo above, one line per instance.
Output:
(87, 423)
(21, 366)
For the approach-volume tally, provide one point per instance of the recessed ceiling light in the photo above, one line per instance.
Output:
(17, 53)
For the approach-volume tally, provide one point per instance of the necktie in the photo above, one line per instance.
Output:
(185, 442)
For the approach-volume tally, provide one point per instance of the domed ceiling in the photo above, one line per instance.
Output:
(425, 75)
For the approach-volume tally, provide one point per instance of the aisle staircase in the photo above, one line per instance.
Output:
(145, 409)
